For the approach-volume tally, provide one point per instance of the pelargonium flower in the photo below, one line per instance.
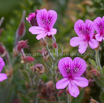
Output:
(72, 71)
(85, 31)
(3, 76)
(46, 20)
(99, 27)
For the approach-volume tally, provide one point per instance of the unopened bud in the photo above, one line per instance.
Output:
(43, 42)
(95, 72)
(60, 92)
(22, 44)
(9, 72)
(28, 59)
(32, 18)
(39, 67)
(21, 29)
(15, 52)
(44, 53)
(54, 44)
(3, 51)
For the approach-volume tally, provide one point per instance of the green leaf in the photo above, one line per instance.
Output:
(102, 97)
(32, 94)
(25, 75)
(24, 98)
(79, 98)
(92, 62)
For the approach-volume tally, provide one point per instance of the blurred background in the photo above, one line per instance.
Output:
(69, 11)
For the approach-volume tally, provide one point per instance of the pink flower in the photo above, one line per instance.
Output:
(99, 27)
(71, 71)
(46, 20)
(3, 76)
(85, 31)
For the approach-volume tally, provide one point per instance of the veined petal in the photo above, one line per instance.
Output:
(53, 31)
(42, 17)
(79, 28)
(65, 66)
(81, 81)
(89, 28)
(52, 17)
(3, 76)
(79, 67)
(73, 89)
(93, 43)
(98, 24)
(75, 41)
(36, 30)
(2, 64)
(61, 84)
(82, 47)
(98, 37)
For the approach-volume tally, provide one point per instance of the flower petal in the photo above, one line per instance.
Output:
(73, 89)
(3, 76)
(79, 67)
(98, 37)
(65, 66)
(40, 36)
(93, 43)
(61, 84)
(81, 81)
(98, 24)
(75, 41)
(36, 30)
(2, 64)
(79, 28)
(82, 47)
(42, 17)
(52, 16)
(52, 32)
(89, 28)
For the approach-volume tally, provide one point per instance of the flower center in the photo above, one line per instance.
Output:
(75, 70)
(67, 69)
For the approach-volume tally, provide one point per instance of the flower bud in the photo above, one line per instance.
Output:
(43, 42)
(22, 44)
(9, 71)
(32, 18)
(44, 53)
(3, 51)
(21, 29)
(60, 92)
(95, 72)
(39, 67)
(28, 59)
(54, 44)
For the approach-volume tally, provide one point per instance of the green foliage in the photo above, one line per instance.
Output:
(24, 98)
(102, 97)
(92, 62)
